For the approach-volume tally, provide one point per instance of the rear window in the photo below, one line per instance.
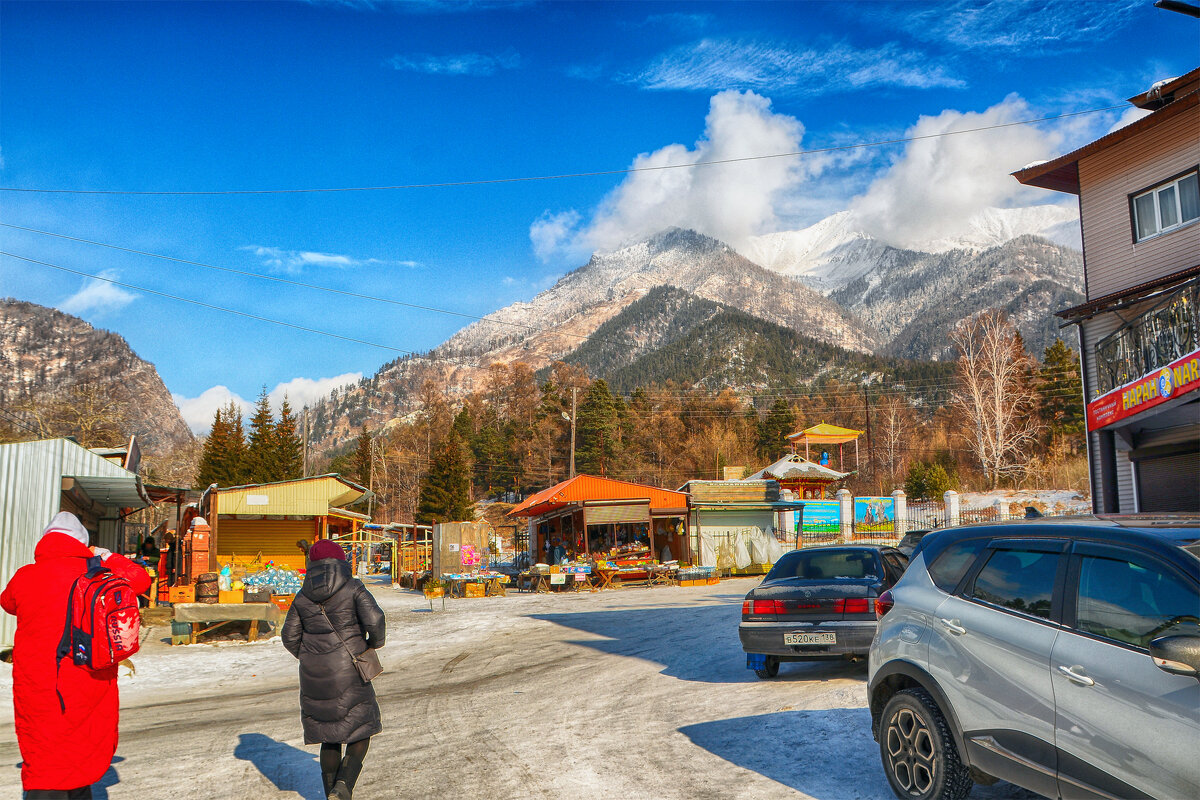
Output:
(951, 564)
(829, 564)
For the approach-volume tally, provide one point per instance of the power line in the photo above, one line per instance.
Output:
(304, 285)
(224, 309)
(565, 175)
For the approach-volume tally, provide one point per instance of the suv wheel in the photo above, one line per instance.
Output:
(918, 752)
(770, 670)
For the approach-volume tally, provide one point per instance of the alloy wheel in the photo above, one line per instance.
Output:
(910, 751)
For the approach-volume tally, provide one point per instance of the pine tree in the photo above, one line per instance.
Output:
(597, 431)
(774, 429)
(261, 454)
(1060, 391)
(445, 494)
(362, 459)
(222, 460)
(289, 450)
(236, 462)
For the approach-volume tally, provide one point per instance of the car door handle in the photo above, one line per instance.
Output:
(953, 626)
(1075, 677)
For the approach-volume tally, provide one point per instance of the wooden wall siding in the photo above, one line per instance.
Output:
(1106, 179)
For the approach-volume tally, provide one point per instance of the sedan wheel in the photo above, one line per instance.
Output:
(919, 756)
(770, 670)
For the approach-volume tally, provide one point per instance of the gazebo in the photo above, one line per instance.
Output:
(822, 436)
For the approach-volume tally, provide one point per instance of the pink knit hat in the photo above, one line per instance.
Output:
(326, 548)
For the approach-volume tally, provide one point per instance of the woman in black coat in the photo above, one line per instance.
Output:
(333, 616)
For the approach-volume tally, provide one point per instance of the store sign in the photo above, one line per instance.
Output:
(1146, 392)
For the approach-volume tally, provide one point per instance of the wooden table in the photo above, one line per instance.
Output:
(605, 578)
(205, 617)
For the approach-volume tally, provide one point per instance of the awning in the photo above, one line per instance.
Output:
(115, 492)
(1125, 297)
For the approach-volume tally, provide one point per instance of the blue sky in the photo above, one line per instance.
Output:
(210, 96)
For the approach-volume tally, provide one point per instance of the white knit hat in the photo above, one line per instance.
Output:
(68, 523)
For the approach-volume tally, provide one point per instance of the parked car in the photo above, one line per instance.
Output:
(815, 604)
(1061, 656)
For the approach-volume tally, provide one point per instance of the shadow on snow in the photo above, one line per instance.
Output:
(693, 643)
(289, 768)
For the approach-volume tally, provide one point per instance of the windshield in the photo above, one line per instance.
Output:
(852, 563)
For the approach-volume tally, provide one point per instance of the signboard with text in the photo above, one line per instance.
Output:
(1150, 390)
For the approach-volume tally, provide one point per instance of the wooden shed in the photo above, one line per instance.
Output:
(264, 522)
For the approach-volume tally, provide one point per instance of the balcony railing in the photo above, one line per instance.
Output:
(1162, 335)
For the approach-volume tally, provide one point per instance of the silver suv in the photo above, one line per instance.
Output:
(1059, 655)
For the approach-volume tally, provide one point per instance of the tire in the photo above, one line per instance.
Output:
(770, 670)
(916, 747)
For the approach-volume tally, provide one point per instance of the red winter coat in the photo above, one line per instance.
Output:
(60, 750)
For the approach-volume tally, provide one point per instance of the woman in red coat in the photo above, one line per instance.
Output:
(63, 752)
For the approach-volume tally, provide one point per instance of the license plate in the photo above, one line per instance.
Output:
(809, 638)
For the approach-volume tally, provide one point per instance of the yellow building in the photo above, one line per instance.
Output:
(264, 522)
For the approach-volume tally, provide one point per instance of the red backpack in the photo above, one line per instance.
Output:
(103, 620)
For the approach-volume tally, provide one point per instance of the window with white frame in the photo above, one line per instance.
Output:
(1166, 207)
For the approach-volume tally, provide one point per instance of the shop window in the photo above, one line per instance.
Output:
(1166, 207)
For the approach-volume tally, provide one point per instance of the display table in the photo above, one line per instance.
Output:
(205, 617)
(492, 583)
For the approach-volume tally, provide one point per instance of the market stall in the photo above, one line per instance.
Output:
(741, 527)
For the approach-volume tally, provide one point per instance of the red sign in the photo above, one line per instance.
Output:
(1146, 392)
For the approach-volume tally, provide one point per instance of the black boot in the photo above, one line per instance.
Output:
(327, 781)
(340, 791)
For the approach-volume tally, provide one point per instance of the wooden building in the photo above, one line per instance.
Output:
(720, 510)
(263, 522)
(806, 480)
(1139, 330)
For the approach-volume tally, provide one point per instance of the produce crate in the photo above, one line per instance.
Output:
(473, 590)
(256, 595)
(284, 601)
(224, 596)
(713, 580)
(181, 594)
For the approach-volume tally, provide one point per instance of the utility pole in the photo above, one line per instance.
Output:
(867, 404)
(574, 408)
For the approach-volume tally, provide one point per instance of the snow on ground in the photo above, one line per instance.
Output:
(1057, 501)
(635, 693)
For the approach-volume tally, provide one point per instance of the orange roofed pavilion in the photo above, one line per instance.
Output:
(588, 512)
(823, 435)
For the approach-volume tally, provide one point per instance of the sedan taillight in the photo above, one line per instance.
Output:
(852, 605)
(883, 604)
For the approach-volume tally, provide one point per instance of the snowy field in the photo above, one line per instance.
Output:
(636, 693)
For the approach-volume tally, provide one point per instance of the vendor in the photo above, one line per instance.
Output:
(149, 551)
(559, 553)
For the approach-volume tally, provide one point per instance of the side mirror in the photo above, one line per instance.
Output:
(1178, 655)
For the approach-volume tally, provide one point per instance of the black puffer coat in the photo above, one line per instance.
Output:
(336, 704)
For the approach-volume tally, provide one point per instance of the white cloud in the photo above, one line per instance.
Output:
(294, 262)
(1128, 117)
(198, 411)
(1018, 24)
(473, 64)
(717, 64)
(728, 201)
(98, 296)
(938, 183)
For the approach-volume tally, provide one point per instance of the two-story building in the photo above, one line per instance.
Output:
(1139, 331)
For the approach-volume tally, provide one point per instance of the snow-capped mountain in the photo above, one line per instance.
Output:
(837, 250)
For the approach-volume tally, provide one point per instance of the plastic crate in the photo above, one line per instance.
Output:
(181, 594)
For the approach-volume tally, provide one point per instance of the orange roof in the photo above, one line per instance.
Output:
(825, 434)
(582, 488)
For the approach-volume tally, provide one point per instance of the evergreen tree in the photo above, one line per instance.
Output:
(774, 429)
(289, 450)
(261, 454)
(597, 431)
(362, 459)
(1060, 391)
(222, 460)
(445, 494)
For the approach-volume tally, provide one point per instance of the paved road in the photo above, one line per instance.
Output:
(638, 693)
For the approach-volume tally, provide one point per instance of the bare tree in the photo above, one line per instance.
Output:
(893, 433)
(993, 394)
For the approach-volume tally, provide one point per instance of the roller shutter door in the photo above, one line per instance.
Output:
(271, 537)
(602, 515)
(1169, 483)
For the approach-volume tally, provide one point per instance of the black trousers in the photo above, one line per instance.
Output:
(82, 793)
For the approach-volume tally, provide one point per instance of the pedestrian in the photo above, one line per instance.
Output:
(331, 618)
(66, 715)
(149, 550)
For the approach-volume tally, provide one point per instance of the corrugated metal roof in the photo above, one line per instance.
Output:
(306, 497)
(582, 488)
(31, 476)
